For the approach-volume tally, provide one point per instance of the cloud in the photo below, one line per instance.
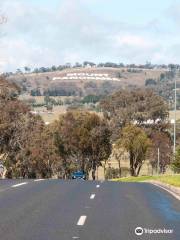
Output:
(43, 35)
(173, 12)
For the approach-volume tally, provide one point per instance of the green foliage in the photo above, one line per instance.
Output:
(35, 92)
(91, 99)
(150, 82)
(161, 140)
(136, 143)
(136, 106)
(176, 162)
(83, 138)
(172, 180)
(111, 173)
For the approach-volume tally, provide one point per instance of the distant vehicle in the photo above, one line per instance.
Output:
(79, 175)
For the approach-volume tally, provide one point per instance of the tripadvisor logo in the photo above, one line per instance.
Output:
(139, 231)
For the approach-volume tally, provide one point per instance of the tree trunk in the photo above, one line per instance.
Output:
(138, 171)
(94, 174)
(132, 170)
(119, 164)
(93, 169)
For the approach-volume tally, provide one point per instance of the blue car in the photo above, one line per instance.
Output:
(79, 175)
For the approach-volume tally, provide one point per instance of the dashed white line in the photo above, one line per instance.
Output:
(87, 207)
(92, 196)
(38, 180)
(97, 186)
(18, 185)
(81, 220)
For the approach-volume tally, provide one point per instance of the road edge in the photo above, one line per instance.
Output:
(175, 191)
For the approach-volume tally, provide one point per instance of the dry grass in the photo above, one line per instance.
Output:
(49, 116)
(171, 114)
(44, 80)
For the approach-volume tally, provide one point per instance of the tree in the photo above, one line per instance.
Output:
(162, 141)
(91, 99)
(100, 144)
(150, 82)
(117, 154)
(135, 141)
(82, 139)
(11, 118)
(176, 162)
(27, 69)
(38, 157)
(25, 142)
(137, 106)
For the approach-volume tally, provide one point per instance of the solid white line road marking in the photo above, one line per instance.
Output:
(75, 237)
(81, 221)
(19, 184)
(38, 180)
(175, 195)
(92, 196)
(97, 186)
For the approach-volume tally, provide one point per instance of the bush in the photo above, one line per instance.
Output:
(176, 162)
(112, 173)
(150, 81)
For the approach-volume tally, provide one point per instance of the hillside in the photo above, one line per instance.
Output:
(84, 81)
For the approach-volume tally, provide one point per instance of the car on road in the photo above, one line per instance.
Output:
(79, 175)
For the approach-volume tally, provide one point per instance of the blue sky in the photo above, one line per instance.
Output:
(47, 32)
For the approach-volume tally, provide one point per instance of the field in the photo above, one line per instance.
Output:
(171, 114)
(57, 110)
(50, 116)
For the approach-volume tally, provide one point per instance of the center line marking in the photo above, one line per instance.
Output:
(97, 186)
(81, 221)
(92, 196)
(19, 184)
(38, 180)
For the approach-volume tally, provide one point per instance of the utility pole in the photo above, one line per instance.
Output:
(158, 162)
(175, 108)
(48, 169)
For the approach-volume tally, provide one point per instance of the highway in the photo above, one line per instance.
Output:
(85, 210)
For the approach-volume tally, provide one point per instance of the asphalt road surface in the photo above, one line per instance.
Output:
(65, 210)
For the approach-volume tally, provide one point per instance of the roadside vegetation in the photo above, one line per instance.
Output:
(172, 180)
(131, 121)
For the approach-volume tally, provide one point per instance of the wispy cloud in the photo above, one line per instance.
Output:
(43, 35)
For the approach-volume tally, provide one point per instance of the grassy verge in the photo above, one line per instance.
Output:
(172, 180)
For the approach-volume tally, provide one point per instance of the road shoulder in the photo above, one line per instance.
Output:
(175, 191)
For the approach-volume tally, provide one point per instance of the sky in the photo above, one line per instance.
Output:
(53, 32)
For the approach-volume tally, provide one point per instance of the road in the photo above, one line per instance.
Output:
(87, 210)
